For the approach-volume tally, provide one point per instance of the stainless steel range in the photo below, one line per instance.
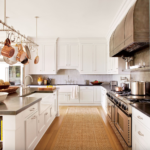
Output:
(120, 112)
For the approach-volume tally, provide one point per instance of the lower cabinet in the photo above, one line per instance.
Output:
(97, 94)
(86, 94)
(92, 95)
(65, 98)
(140, 130)
(31, 131)
(104, 99)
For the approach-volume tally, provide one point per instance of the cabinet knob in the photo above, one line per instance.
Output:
(33, 117)
(46, 113)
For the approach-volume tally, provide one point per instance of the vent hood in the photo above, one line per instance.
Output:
(132, 33)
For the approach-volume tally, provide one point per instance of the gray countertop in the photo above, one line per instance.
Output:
(15, 104)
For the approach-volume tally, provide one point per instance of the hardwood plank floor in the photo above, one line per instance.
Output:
(48, 140)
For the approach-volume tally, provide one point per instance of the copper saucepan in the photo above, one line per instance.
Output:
(118, 89)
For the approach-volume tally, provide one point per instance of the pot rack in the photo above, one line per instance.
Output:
(11, 29)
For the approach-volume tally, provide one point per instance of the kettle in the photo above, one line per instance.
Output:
(49, 81)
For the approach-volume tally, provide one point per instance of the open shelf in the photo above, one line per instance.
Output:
(137, 69)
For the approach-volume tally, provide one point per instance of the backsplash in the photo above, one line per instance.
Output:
(141, 57)
(62, 76)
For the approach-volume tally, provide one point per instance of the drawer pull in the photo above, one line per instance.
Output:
(32, 109)
(140, 133)
(46, 113)
(33, 117)
(140, 117)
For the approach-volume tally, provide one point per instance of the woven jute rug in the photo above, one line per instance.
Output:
(82, 129)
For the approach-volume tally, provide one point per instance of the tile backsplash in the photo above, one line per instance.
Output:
(62, 77)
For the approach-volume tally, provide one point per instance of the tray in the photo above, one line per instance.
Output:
(47, 89)
(9, 90)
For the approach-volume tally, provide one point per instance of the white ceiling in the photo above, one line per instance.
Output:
(62, 18)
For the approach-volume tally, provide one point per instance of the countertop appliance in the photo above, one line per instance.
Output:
(113, 84)
(122, 111)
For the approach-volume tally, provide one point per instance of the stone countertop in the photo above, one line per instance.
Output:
(106, 86)
(142, 107)
(15, 104)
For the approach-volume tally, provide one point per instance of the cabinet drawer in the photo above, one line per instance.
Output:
(141, 132)
(47, 115)
(31, 110)
(86, 88)
(141, 117)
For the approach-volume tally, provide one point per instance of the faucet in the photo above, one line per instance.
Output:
(25, 80)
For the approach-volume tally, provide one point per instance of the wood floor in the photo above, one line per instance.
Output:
(48, 140)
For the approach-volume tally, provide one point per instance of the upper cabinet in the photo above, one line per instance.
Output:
(86, 55)
(67, 54)
(93, 56)
(132, 33)
(47, 57)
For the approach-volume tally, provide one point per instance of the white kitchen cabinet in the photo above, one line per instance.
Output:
(72, 101)
(140, 130)
(86, 58)
(97, 94)
(47, 58)
(68, 56)
(86, 94)
(65, 98)
(93, 58)
(104, 99)
(41, 122)
(31, 131)
(115, 65)
(62, 98)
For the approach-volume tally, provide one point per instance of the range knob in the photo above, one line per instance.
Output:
(116, 102)
(125, 108)
(119, 103)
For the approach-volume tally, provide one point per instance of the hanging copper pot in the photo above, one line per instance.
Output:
(7, 50)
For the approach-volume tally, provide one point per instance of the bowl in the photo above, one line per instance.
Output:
(4, 86)
(96, 83)
(3, 96)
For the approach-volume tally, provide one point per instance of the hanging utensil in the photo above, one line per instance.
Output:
(27, 51)
(36, 60)
(7, 50)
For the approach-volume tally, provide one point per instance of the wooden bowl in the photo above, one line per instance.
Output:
(4, 86)
(96, 83)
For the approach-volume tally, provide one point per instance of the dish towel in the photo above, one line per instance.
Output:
(74, 92)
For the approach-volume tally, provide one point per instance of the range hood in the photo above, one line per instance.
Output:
(132, 33)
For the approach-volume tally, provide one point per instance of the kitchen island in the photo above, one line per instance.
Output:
(26, 118)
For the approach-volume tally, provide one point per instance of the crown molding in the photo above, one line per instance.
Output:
(126, 5)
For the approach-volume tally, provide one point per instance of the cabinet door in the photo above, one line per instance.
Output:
(86, 95)
(70, 100)
(31, 131)
(100, 59)
(41, 123)
(73, 56)
(62, 56)
(49, 59)
(97, 94)
(115, 65)
(47, 115)
(62, 98)
(86, 58)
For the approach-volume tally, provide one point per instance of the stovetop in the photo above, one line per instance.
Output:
(129, 97)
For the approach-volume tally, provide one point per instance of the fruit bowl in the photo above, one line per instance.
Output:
(96, 83)
(4, 86)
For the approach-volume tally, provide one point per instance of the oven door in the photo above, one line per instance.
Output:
(123, 124)
(111, 109)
